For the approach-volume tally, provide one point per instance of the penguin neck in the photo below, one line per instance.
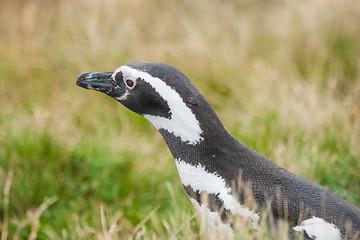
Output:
(214, 141)
(193, 131)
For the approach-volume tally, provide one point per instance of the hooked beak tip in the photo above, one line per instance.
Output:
(100, 81)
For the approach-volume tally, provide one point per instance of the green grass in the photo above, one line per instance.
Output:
(74, 164)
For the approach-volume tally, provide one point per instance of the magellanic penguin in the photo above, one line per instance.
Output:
(210, 160)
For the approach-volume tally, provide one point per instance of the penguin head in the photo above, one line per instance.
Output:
(128, 85)
(159, 92)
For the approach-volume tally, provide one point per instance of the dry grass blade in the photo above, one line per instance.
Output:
(6, 205)
(143, 221)
(115, 226)
(103, 223)
(181, 227)
(33, 218)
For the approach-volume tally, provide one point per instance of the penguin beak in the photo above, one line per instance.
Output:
(100, 81)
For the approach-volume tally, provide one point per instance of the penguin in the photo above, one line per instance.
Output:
(212, 163)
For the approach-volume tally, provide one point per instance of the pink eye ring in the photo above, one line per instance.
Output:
(130, 83)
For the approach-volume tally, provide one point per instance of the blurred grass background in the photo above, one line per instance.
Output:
(74, 164)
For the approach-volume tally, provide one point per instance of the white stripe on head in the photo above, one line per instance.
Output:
(200, 180)
(319, 229)
(183, 122)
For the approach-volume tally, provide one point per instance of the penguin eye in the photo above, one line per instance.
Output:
(130, 83)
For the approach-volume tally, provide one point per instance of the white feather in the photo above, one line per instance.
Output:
(319, 229)
(200, 180)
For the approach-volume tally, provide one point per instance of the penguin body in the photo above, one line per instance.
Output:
(211, 161)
